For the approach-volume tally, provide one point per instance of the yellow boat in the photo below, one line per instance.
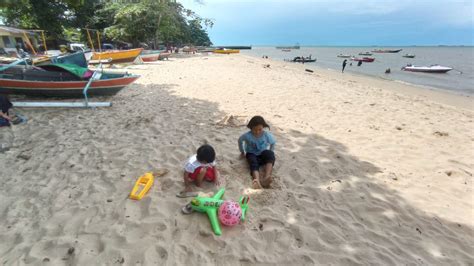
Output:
(226, 51)
(118, 56)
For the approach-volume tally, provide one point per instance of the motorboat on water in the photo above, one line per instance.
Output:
(408, 55)
(366, 53)
(301, 59)
(427, 69)
(344, 55)
(363, 59)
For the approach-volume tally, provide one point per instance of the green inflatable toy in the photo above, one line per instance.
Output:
(211, 206)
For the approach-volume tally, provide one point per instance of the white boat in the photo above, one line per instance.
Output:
(427, 69)
(344, 55)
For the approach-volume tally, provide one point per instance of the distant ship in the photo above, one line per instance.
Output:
(296, 46)
(386, 51)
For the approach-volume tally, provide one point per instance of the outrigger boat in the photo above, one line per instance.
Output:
(409, 56)
(366, 54)
(427, 69)
(118, 56)
(60, 80)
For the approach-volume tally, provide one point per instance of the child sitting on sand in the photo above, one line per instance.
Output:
(257, 146)
(5, 106)
(200, 167)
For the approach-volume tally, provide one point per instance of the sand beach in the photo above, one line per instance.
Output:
(368, 171)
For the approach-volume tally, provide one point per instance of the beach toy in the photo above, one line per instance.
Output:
(142, 186)
(230, 213)
(210, 205)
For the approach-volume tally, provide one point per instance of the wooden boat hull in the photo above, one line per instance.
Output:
(164, 56)
(69, 89)
(427, 70)
(365, 59)
(150, 57)
(118, 56)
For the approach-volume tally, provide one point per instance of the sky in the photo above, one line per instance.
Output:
(338, 22)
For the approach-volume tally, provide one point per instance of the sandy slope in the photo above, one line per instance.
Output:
(365, 174)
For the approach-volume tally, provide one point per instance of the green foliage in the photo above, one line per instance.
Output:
(146, 21)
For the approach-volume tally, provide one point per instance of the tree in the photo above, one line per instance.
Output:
(145, 21)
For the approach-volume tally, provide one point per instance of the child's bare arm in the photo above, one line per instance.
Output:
(186, 177)
(2, 114)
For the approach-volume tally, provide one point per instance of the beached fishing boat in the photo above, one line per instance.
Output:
(363, 59)
(60, 80)
(386, 51)
(366, 53)
(343, 55)
(150, 55)
(409, 56)
(427, 69)
(226, 51)
(118, 56)
(77, 58)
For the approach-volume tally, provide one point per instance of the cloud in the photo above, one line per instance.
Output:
(437, 13)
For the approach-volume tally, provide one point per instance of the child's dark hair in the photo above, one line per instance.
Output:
(206, 153)
(257, 120)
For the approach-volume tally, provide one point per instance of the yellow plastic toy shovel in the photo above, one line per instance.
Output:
(142, 186)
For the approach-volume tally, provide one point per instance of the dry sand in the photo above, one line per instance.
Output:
(368, 171)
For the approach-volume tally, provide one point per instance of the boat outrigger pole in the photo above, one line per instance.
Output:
(90, 39)
(98, 41)
(97, 34)
(43, 38)
(27, 40)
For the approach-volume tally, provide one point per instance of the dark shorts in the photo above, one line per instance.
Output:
(255, 161)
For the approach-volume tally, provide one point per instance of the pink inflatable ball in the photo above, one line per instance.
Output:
(229, 213)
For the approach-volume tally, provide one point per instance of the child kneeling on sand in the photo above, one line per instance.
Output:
(200, 167)
(257, 145)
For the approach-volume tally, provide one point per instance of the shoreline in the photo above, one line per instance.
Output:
(444, 96)
(452, 82)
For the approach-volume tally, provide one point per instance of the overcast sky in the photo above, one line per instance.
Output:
(338, 22)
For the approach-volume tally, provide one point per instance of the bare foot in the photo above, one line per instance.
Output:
(256, 184)
(266, 182)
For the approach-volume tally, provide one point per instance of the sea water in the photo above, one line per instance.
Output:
(460, 80)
